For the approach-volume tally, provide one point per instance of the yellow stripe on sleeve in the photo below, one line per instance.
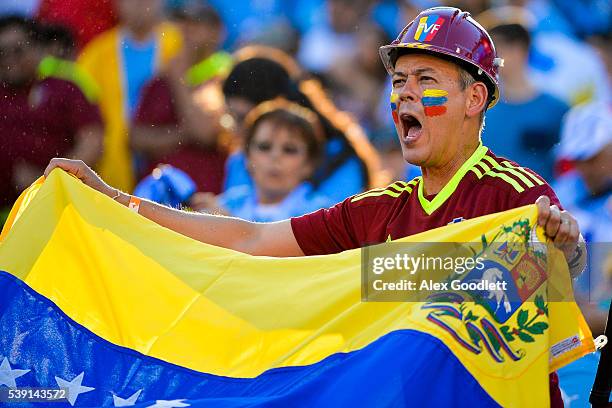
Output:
(510, 170)
(536, 179)
(393, 190)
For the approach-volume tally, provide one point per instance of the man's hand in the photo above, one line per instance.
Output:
(81, 171)
(562, 228)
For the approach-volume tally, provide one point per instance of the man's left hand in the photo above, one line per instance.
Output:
(562, 228)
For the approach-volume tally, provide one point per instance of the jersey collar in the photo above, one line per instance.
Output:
(430, 206)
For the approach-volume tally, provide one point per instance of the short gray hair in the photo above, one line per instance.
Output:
(465, 80)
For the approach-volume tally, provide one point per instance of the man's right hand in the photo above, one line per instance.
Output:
(80, 170)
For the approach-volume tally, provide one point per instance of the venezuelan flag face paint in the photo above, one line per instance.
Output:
(433, 100)
(394, 100)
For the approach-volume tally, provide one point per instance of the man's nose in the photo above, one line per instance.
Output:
(410, 91)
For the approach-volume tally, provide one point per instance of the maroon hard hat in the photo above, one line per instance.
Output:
(452, 34)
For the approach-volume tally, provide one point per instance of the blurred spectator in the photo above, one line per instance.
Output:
(587, 194)
(246, 19)
(40, 119)
(554, 52)
(586, 141)
(560, 16)
(59, 49)
(283, 144)
(554, 69)
(356, 81)
(172, 124)
(280, 35)
(84, 18)
(121, 61)
(334, 37)
(524, 125)
(349, 164)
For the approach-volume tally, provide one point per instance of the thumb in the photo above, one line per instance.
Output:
(543, 205)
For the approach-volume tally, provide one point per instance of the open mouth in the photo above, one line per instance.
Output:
(411, 127)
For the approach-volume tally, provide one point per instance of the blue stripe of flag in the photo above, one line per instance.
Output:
(403, 368)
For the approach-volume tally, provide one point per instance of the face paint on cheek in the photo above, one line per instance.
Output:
(433, 101)
(394, 100)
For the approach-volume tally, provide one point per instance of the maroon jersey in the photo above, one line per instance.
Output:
(205, 165)
(39, 122)
(485, 184)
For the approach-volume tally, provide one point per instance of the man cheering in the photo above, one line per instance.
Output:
(445, 75)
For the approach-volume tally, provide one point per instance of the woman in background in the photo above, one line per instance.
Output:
(283, 145)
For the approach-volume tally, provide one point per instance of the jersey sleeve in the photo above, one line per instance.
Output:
(512, 185)
(325, 231)
(530, 195)
(347, 225)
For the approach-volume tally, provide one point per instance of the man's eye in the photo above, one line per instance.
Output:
(398, 82)
(427, 78)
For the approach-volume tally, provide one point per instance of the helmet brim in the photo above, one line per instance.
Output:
(388, 58)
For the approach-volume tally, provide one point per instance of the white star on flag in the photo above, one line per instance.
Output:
(169, 404)
(120, 402)
(74, 387)
(7, 375)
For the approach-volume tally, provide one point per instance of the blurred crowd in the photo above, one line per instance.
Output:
(268, 109)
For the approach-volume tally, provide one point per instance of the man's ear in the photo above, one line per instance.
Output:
(476, 101)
